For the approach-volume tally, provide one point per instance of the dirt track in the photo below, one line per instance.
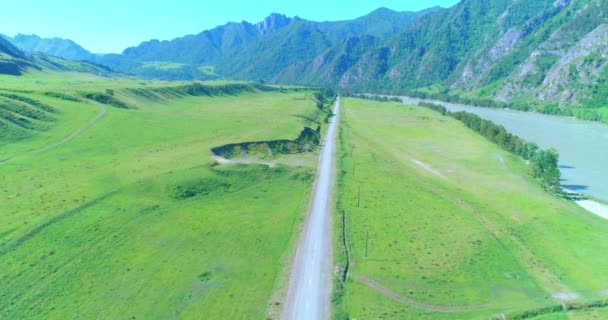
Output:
(310, 284)
(101, 114)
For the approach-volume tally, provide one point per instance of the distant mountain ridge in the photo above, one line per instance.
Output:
(12, 60)
(278, 41)
(63, 48)
(241, 50)
(206, 46)
(15, 62)
(551, 52)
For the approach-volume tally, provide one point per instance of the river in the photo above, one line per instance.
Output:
(582, 145)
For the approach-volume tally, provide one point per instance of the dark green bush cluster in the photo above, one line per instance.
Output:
(375, 98)
(325, 96)
(199, 187)
(309, 138)
(538, 312)
(306, 141)
(62, 96)
(588, 305)
(325, 99)
(543, 163)
(530, 314)
(198, 89)
(437, 107)
(105, 99)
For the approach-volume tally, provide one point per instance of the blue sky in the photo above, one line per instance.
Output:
(106, 26)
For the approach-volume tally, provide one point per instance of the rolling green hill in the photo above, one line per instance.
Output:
(12, 60)
(124, 211)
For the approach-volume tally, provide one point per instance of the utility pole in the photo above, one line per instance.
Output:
(366, 242)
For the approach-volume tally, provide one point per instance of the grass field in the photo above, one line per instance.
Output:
(442, 224)
(578, 315)
(132, 220)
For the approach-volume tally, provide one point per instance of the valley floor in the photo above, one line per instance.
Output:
(442, 224)
(113, 212)
(132, 218)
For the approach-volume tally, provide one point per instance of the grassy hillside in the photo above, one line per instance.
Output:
(12, 60)
(442, 224)
(131, 218)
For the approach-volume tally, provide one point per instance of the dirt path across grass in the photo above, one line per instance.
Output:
(414, 303)
(103, 110)
(222, 160)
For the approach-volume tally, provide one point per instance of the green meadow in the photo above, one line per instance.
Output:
(442, 224)
(578, 315)
(130, 218)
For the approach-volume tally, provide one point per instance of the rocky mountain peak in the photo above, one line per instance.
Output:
(273, 23)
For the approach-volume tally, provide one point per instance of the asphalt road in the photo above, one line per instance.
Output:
(310, 283)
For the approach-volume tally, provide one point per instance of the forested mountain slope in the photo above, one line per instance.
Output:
(553, 51)
(548, 52)
(251, 51)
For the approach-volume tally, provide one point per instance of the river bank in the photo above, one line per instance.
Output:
(594, 207)
(582, 145)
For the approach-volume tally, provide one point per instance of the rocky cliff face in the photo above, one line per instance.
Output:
(569, 67)
(273, 23)
(546, 50)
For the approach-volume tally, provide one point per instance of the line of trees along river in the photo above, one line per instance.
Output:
(544, 164)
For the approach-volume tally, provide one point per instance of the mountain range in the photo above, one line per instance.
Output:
(63, 48)
(14, 61)
(274, 44)
(548, 51)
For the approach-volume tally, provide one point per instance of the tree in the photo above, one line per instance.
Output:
(551, 175)
(544, 166)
